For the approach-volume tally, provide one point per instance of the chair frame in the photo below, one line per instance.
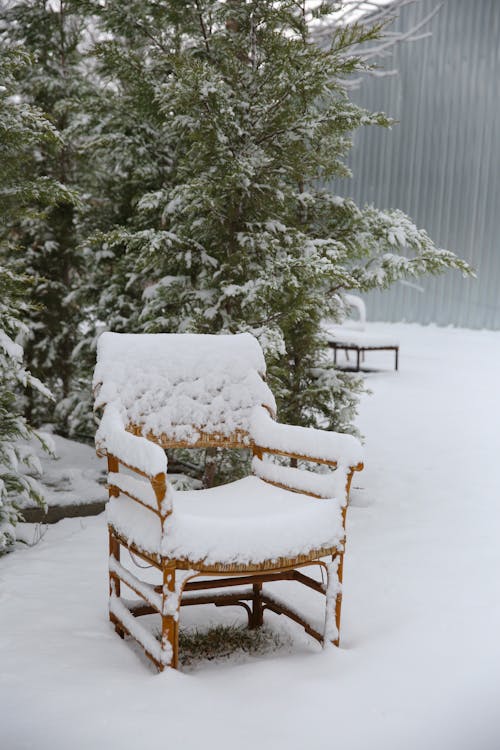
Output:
(178, 586)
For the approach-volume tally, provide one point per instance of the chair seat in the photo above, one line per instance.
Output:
(244, 522)
(351, 337)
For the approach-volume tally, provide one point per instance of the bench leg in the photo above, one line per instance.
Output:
(397, 358)
(358, 352)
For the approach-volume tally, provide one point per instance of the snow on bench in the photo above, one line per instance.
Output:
(352, 336)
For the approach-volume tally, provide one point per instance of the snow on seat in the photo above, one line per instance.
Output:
(353, 332)
(343, 335)
(247, 521)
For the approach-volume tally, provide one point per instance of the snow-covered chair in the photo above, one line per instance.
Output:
(158, 391)
(351, 335)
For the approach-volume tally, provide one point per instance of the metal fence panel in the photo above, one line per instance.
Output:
(441, 164)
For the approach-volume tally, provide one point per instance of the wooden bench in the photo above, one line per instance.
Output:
(352, 336)
(360, 350)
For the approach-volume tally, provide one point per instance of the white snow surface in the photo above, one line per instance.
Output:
(419, 664)
(73, 476)
(244, 521)
(181, 384)
(10, 347)
(329, 484)
(133, 485)
(133, 450)
(304, 441)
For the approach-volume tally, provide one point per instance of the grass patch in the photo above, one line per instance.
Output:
(227, 642)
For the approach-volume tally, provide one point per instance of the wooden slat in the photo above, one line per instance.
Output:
(290, 489)
(281, 563)
(281, 609)
(360, 347)
(238, 581)
(223, 600)
(296, 456)
(116, 621)
(116, 606)
(308, 581)
(151, 477)
(145, 590)
(133, 497)
(138, 609)
(301, 457)
(239, 439)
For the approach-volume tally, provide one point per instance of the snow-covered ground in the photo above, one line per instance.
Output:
(73, 475)
(419, 666)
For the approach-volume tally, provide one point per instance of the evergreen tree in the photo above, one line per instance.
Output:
(23, 128)
(241, 235)
(48, 244)
(129, 150)
(230, 229)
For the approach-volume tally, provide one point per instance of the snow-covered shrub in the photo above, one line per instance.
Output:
(22, 128)
(205, 134)
(16, 456)
(236, 232)
(47, 242)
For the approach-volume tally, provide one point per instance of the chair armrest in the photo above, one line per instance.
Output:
(333, 484)
(307, 443)
(134, 451)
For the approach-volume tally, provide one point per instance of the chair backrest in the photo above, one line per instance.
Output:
(358, 304)
(183, 390)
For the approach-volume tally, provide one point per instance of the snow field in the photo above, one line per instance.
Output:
(419, 666)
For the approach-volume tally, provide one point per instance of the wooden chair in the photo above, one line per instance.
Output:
(159, 391)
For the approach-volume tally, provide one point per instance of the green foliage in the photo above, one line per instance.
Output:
(16, 456)
(190, 142)
(237, 232)
(22, 128)
(47, 236)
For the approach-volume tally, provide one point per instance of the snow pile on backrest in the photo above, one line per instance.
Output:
(181, 385)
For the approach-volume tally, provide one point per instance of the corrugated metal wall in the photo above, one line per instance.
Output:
(441, 164)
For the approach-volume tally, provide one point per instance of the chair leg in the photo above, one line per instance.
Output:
(114, 581)
(338, 597)
(333, 600)
(169, 621)
(257, 616)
